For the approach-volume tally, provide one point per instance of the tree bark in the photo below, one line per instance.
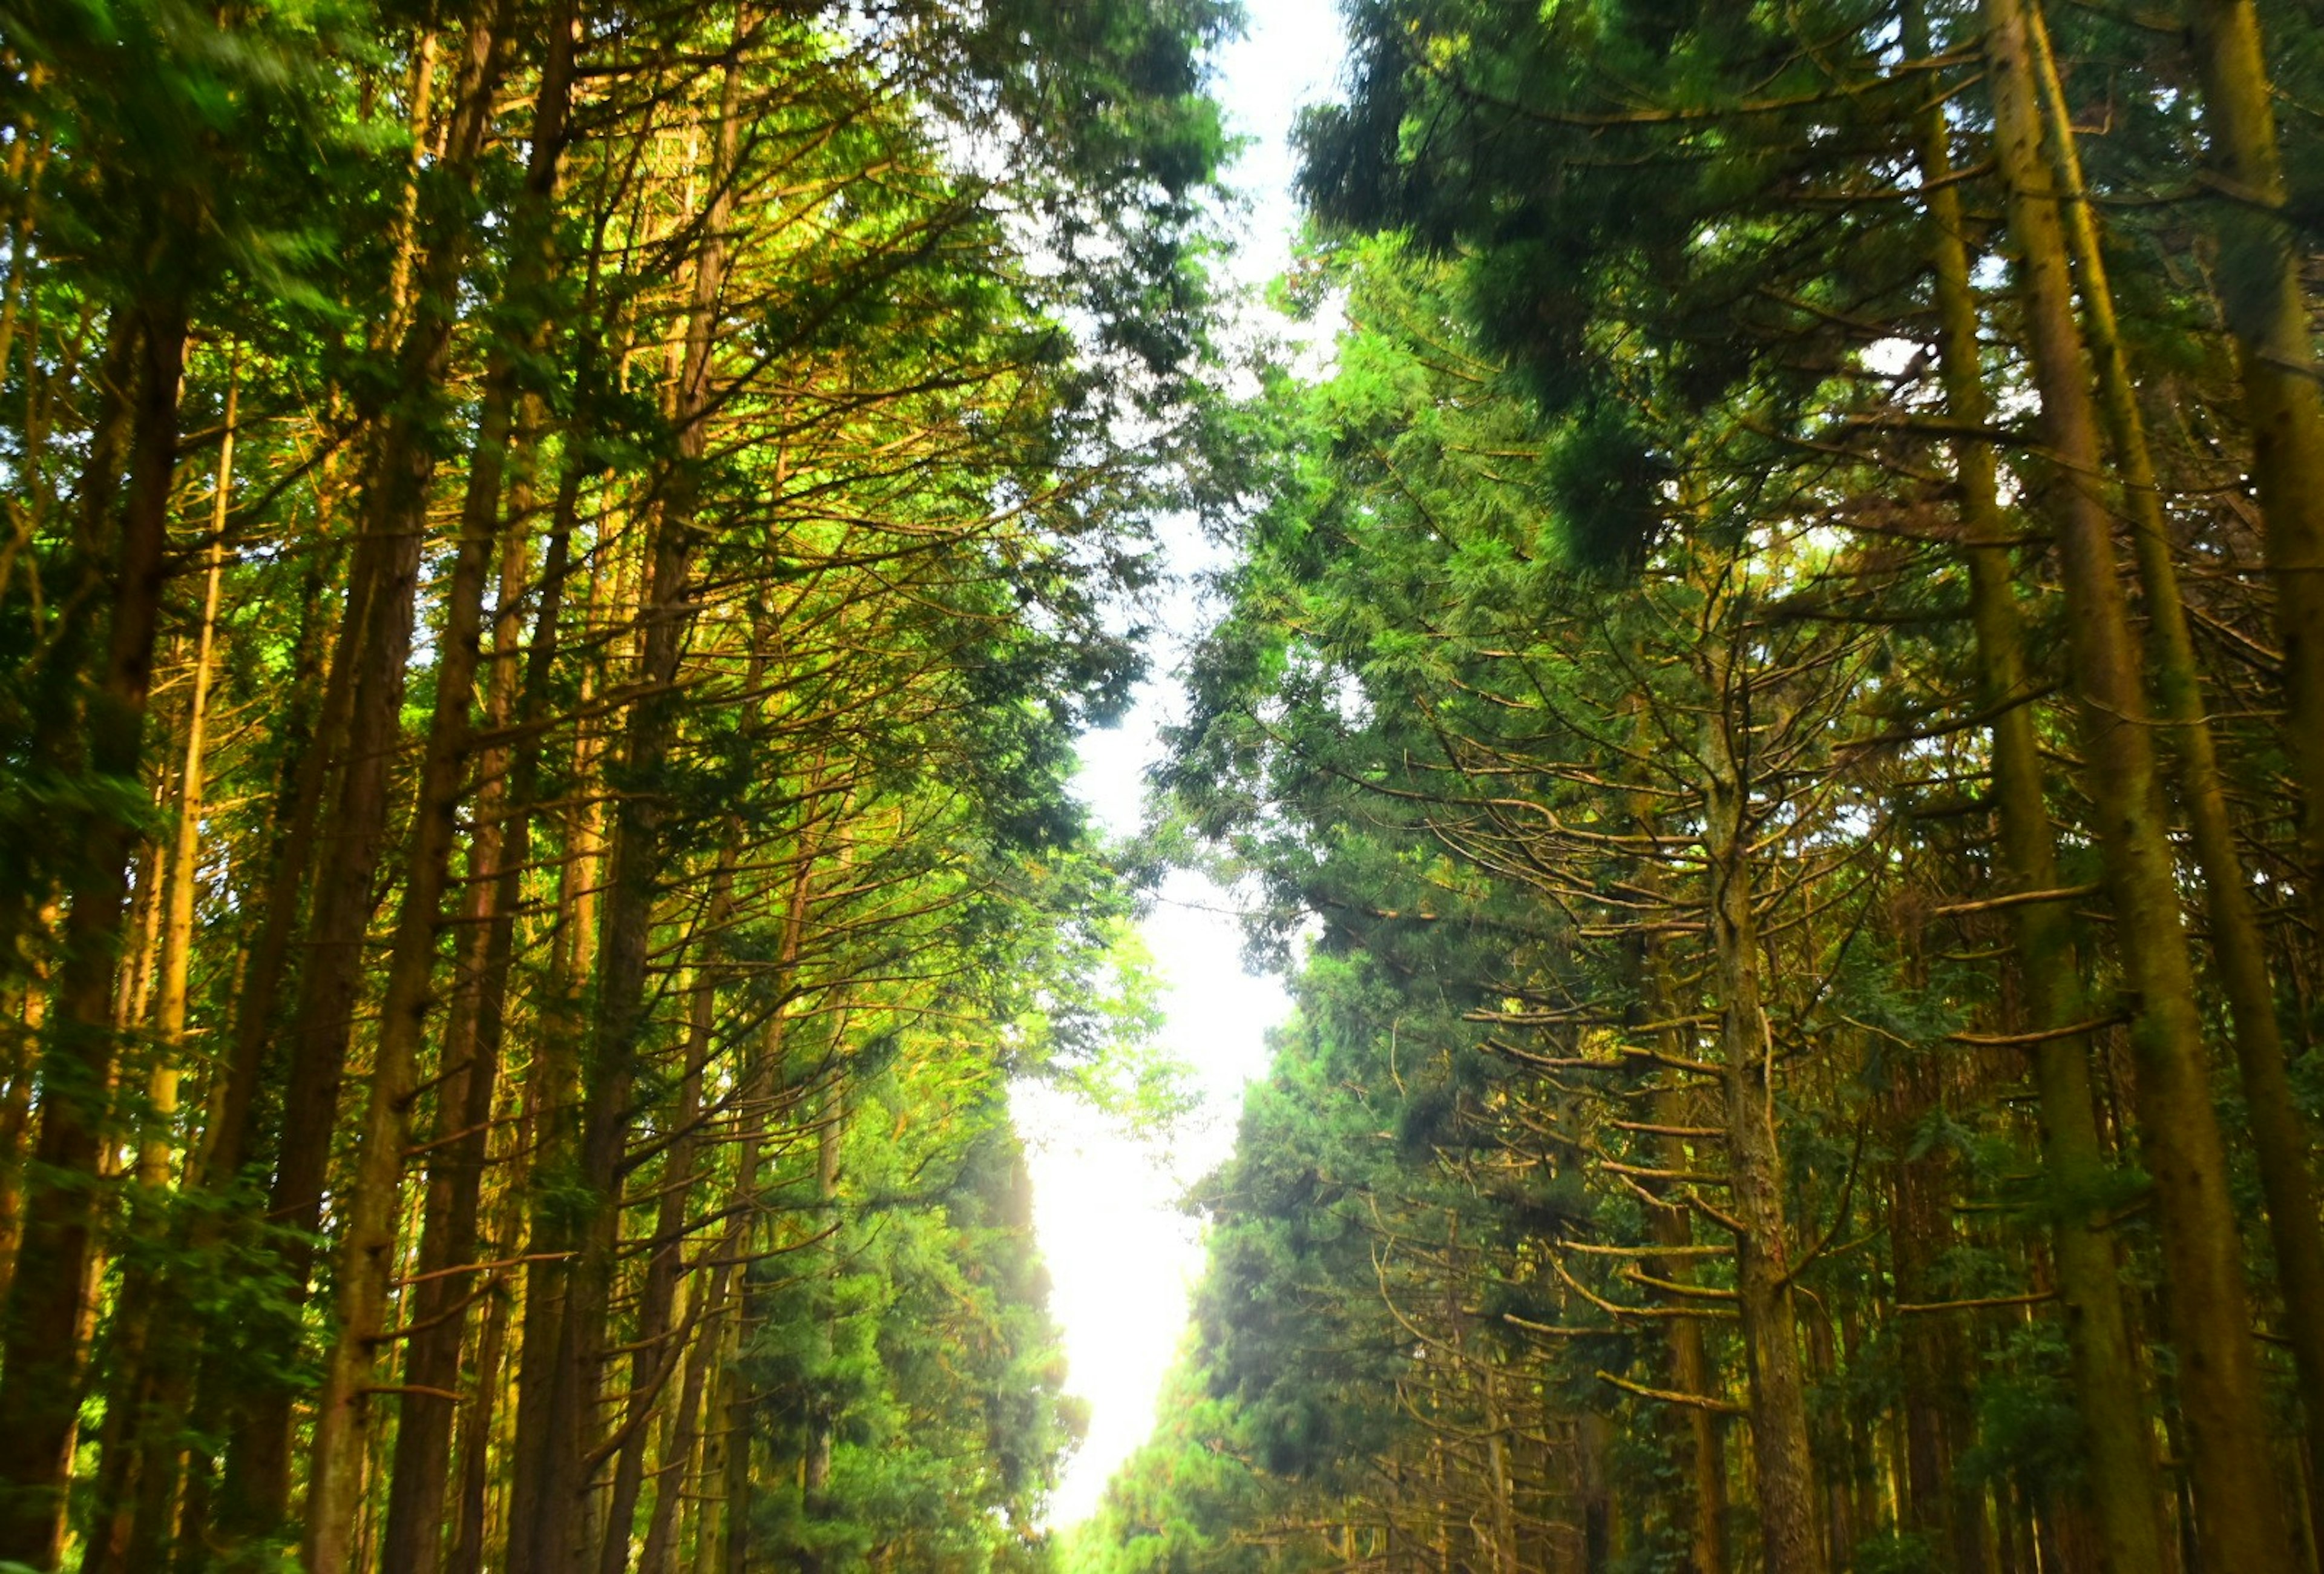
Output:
(39, 1326)
(2238, 1494)
(551, 1465)
(367, 1259)
(375, 646)
(2265, 303)
(1791, 1530)
(2125, 1490)
(2279, 1138)
(137, 1477)
(659, 1344)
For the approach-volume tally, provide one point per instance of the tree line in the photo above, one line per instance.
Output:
(555, 554)
(1780, 675)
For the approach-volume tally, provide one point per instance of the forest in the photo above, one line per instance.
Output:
(556, 554)
(1767, 694)
(1773, 702)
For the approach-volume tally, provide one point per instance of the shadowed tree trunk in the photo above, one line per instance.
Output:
(2266, 306)
(41, 1322)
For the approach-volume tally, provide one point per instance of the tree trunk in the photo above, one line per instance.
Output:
(2279, 1138)
(1791, 1529)
(2124, 1491)
(375, 642)
(659, 1344)
(470, 1533)
(555, 1477)
(137, 1476)
(2266, 303)
(1674, 1226)
(39, 1326)
(510, 788)
(344, 1419)
(683, 1436)
(2238, 1495)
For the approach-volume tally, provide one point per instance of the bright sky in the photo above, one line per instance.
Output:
(1121, 1254)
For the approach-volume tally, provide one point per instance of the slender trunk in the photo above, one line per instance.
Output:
(1498, 1483)
(712, 1536)
(1933, 1418)
(2265, 301)
(683, 1434)
(39, 1326)
(1790, 1518)
(814, 1464)
(2124, 1488)
(171, 1512)
(1691, 1373)
(25, 1007)
(652, 1363)
(2236, 1490)
(552, 1105)
(1673, 1226)
(143, 1416)
(185, 845)
(414, 1534)
(228, 1137)
(2280, 1141)
(734, 1543)
(470, 1533)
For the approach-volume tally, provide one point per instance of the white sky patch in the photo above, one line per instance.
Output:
(1121, 1254)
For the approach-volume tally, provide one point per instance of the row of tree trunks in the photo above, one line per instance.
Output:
(39, 1392)
(564, 1354)
(2239, 1500)
(369, 1241)
(2123, 1485)
(2237, 950)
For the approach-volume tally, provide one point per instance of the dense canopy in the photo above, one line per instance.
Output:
(1769, 700)
(556, 554)
(1775, 698)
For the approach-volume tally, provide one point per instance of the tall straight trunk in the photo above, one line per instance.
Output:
(167, 1504)
(142, 1412)
(25, 1004)
(2237, 1495)
(40, 1325)
(1673, 1226)
(734, 1419)
(227, 1136)
(2125, 1492)
(1691, 1373)
(470, 1530)
(822, 1423)
(553, 1475)
(1790, 1532)
(2280, 1138)
(376, 644)
(1933, 1355)
(414, 1535)
(658, 1344)
(185, 844)
(1498, 1483)
(345, 1414)
(551, 1099)
(683, 1436)
(2265, 301)
(714, 1536)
